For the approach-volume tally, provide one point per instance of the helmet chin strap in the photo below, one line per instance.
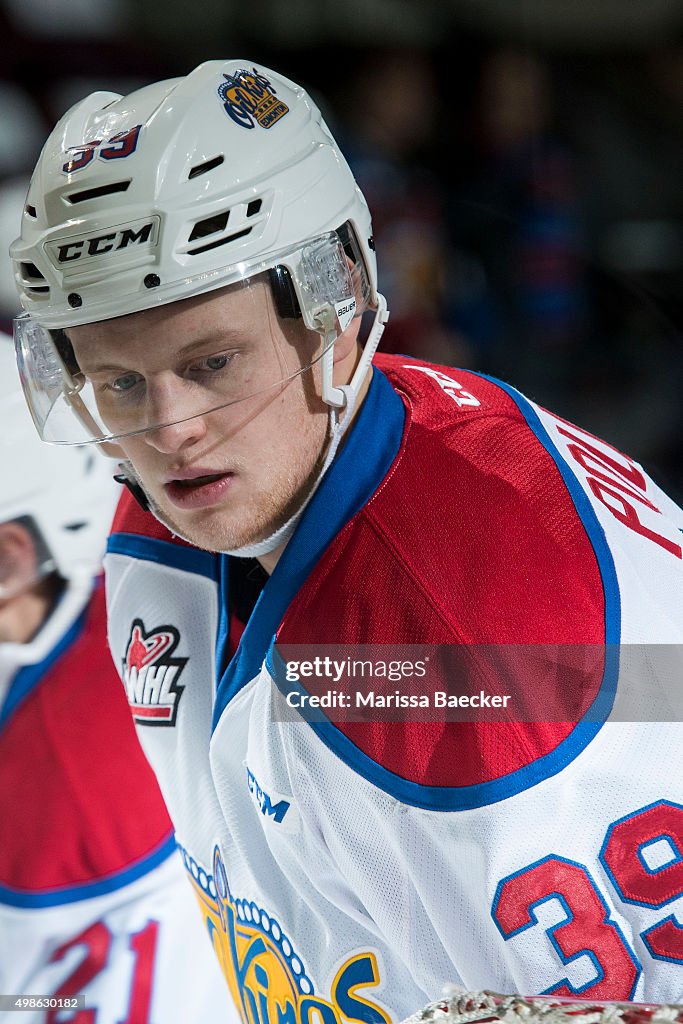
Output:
(342, 401)
(337, 430)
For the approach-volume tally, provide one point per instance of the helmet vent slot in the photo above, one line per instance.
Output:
(254, 207)
(204, 168)
(31, 270)
(210, 226)
(97, 193)
(30, 273)
(219, 241)
(31, 211)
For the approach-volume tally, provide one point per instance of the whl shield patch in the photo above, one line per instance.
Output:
(150, 674)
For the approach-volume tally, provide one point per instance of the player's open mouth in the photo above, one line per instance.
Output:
(199, 481)
(198, 491)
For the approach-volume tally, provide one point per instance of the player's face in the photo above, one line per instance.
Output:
(233, 475)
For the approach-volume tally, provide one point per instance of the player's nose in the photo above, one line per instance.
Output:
(174, 420)
(173, 437)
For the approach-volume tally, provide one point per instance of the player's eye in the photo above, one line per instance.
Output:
(218, 362)
(126, 382)
(213, 363)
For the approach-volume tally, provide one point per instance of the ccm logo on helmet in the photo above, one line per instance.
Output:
(68, 250)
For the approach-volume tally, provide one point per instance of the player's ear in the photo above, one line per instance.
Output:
(18, 559)
(347, 341)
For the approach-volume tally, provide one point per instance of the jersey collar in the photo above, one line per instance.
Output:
(368, 453)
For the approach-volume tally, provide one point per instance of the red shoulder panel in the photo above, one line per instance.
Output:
(472, 538)
(130, 518)
(81, 797)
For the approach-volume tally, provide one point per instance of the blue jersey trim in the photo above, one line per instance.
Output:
(30, 676)
(89, 890)
(223, 629)
(450, 798)
(366, 457)
(438, 798)
(151, 549)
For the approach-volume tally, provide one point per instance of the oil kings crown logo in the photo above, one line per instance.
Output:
(150, 674)
(268, 979)
(249, 99)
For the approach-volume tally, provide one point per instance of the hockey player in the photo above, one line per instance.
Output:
(194, 261)
(94, 906)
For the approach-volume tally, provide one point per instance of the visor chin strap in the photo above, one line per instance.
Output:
(342, 401)
(338, 427)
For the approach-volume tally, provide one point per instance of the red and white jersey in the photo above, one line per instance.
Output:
(347, 870)
(94, 901)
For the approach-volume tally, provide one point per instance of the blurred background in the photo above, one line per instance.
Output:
(522, 160)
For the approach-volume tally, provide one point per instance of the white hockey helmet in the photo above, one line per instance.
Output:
(183, 187)
(67, 493)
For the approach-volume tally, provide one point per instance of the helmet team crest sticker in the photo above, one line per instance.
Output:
(249, 99)
(150, 674)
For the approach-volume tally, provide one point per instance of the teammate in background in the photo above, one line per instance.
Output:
(93, 898)
(202, 316)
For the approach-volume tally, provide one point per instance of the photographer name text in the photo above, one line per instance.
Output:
(373, 699)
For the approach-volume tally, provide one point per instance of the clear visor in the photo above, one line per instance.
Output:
(168, 364)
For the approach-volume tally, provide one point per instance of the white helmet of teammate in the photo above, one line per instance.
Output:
(67, 493)
(183, 187)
